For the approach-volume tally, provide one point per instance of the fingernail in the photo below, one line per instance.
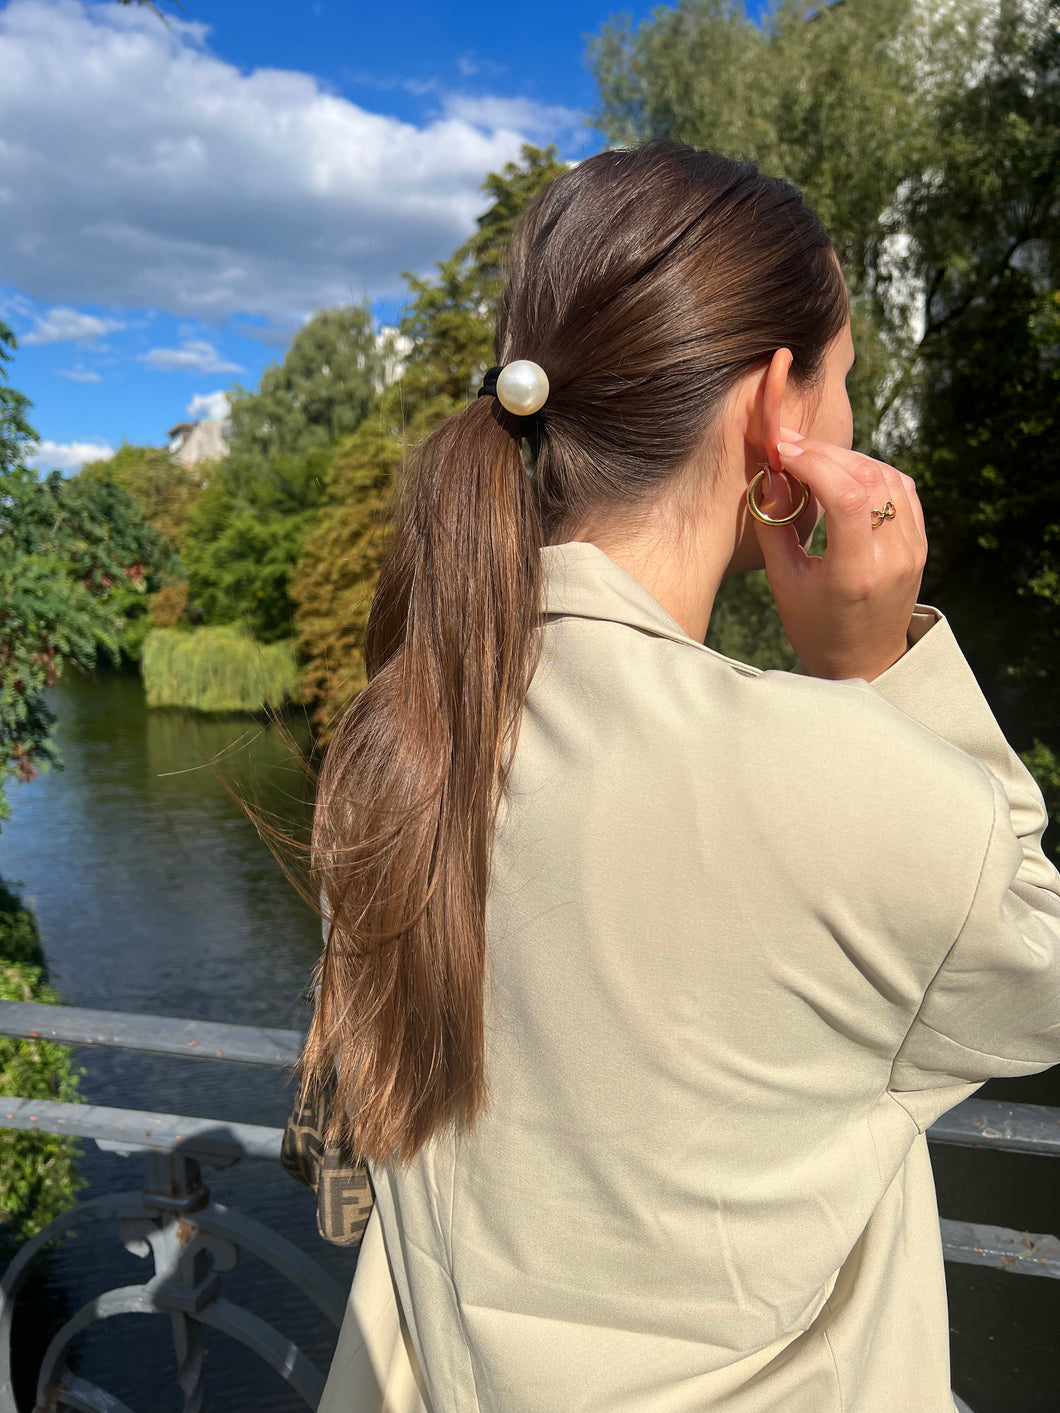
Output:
(789, 449)
(792, 436)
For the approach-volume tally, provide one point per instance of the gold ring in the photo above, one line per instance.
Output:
(769, 519)
(887, 513)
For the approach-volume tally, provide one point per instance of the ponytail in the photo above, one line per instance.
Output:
(409, 792)
(646, 281)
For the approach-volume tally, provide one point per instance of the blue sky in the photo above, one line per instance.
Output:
(176, 200)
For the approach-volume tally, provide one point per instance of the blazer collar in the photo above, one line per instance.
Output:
(581, 581)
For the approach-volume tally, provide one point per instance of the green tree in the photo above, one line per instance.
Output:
(985, 462)
(47, 616)
(164, 490)
(846, 100)
(244, 534)
(76, 561)
(16, 434)
(79, 561)
(319, 393)
(986, 382)
(244, 537)
(336, 576)
(217, 670)
(927, 136)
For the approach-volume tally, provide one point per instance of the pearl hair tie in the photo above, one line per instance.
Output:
(521, 387)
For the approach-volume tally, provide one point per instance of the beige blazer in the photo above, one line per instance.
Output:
(750, 934)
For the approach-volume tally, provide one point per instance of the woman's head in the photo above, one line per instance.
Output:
(647, 283)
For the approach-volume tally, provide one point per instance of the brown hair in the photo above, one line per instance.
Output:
(645, 281)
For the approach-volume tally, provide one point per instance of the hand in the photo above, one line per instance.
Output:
(847, 613)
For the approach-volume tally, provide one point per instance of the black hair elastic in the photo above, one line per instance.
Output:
(489, 382)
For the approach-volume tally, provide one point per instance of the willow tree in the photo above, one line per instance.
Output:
(449, 326)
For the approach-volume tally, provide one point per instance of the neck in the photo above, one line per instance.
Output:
(680, 560)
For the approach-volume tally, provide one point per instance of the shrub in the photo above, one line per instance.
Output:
(38, 1171)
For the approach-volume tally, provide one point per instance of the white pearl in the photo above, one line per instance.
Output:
(522, 387)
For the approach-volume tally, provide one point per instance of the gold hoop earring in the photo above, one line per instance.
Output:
(760, 514)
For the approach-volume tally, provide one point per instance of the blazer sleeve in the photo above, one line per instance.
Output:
(993, 1006)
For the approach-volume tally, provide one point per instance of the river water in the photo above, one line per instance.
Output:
(154, 894)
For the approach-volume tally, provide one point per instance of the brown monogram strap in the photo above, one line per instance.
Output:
(341, 1183)
(344, 1200)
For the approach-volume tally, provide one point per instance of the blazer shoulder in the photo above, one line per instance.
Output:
(857, 720)
(849, 765)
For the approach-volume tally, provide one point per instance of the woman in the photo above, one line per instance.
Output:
(647, 970)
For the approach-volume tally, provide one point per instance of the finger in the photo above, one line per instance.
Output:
(897, 499)
(784, 558)
(885, 484)
(914, 504)
(847, 501)
(908, 515)
(866, 469)
(810, 518)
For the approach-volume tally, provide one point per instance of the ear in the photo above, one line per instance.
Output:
(771, 408)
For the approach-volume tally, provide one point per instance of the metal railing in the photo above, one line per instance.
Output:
(193, 1240)
(173, 1221)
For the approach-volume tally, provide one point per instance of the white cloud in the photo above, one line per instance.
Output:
(79, 374)
(69, 326)
(387, 83)
(520, 115)
(213, 404)
(146, 172)
(193, 356)
(472, 64)
(15, 305)
(67, 456)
